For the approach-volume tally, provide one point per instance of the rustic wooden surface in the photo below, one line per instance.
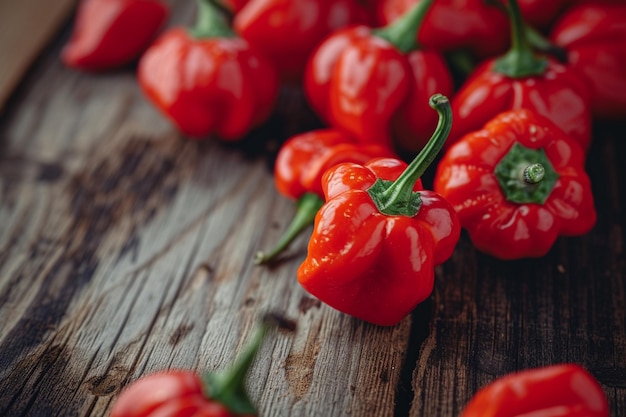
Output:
(125, 249)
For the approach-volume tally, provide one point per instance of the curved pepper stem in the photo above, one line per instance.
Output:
(520, 61)
(307, 207)
(533, 173)
(228, 387)
(211, 22)
(402, 33)
(397, 197)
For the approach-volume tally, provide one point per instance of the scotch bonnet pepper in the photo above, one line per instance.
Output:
(520, 79)
(300, 164)
(593, 35)
(287, 31)
(208, 80)
(564, 390)
(185, 393)
(111, 33)
(375, 83)
(473, 25)
(378, 237)
(517, 184)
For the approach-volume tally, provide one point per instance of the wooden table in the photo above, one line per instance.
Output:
(126, 249)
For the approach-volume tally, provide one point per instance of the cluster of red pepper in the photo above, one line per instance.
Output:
(526, 79)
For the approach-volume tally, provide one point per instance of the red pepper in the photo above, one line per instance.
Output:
(377, 238)
(185, 393)
(208, 80)
(452, 24)
(376, 85)
(233, 5)
(518, 80)
(517, 185)
(540, 13)
(111, 33)
(300, 164)
(594, 37)
(565, 390)
(287, 31)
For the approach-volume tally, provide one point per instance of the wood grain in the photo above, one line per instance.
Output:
(127, 249)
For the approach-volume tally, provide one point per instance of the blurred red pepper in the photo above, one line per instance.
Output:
(519, 79)
(541, 14)
(517, 184)
(565, 390)
(474, 25)
(185, 393)
(233, 5)
(300, 164)
(594, 37)
(377, 238)
(376, 84)
(111, 33)
(287, 31)
(207, 79)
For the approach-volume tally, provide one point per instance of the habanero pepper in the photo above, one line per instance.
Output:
(517, 184)
(541, 14)
(378, 238)
(564, 390)
(300, 164)
(208, 80)
(375, 83)
(233, 5)
(593, 35)
(111, 33)
(287, 31)
(473, 25)
(185, 393)
(519, 79)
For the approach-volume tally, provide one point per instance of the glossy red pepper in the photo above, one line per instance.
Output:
(564, 390)
(375, 83)
(593, 35)
(517, 184)
(185, 393)
(111, 33)
(287, 31)
(518, 80)
(300, 164)
(377, 238)
(208, 80)
(452, 24)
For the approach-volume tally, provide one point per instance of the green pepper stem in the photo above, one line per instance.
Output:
(402, 33)
(307, 207)
(540, 43)
(533, 173)
(228, 387)
(211, 22)
(520, 61)
(398, 197)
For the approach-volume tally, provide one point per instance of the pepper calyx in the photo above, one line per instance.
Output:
(397, 197)
(526, 175)
(520, 61)
(402, 33)
(211, 22)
